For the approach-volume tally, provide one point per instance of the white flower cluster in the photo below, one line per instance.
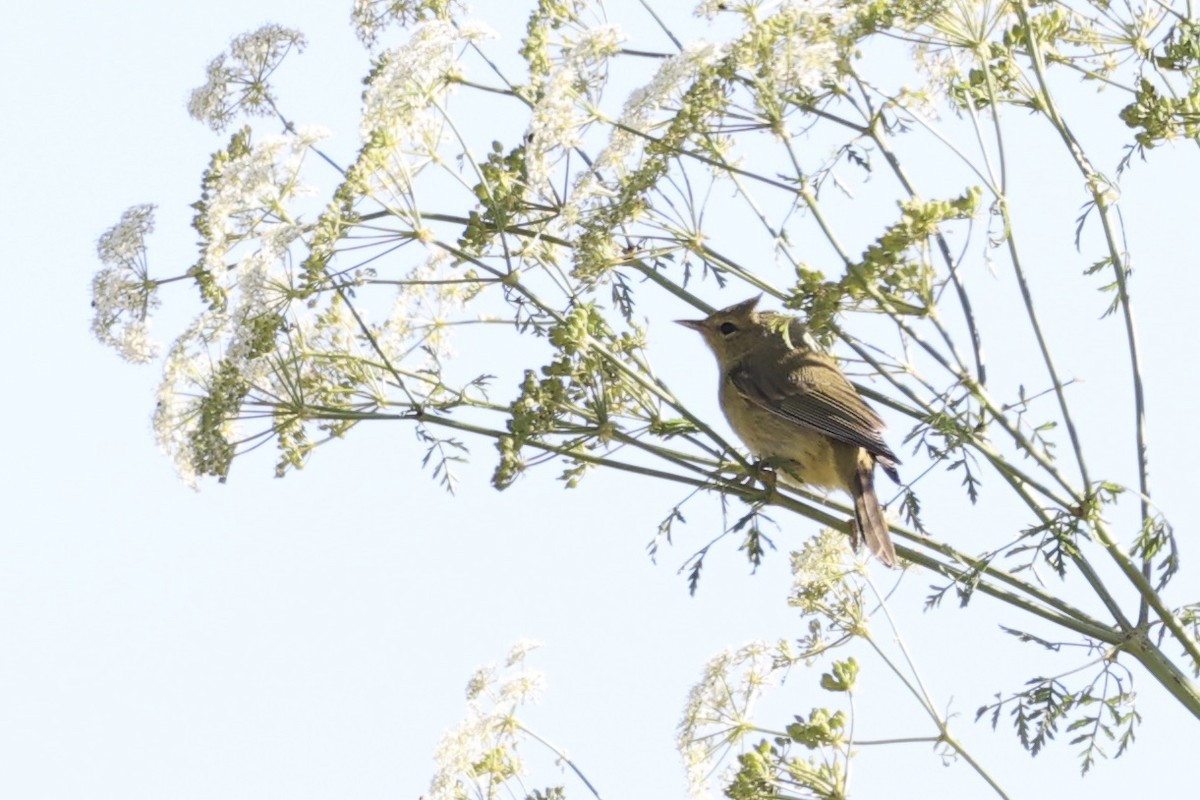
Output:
(566, 99)
(806, 61)
(943, 69)
(410, 78)
(719, 708)
(186, 374)
(803, 35)
(627, 144)
(238, 80)
(247, 197)
(245, 203)
(122, 293)
(221, 337)
(403, 118)
(419, 319)
(370, 17)
(488, 730)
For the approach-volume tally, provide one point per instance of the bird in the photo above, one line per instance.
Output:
(794, 408)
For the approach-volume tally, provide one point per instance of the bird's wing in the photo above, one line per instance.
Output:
(815, 394)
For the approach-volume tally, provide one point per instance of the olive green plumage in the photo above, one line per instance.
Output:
(791, 405)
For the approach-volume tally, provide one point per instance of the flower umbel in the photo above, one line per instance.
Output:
(567, 96)
(122, 292)
(479, 756)
(238, 80)
(371, 17)
(717, 717)
(825, 592)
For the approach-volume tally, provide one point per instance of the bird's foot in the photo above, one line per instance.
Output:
(760, 472)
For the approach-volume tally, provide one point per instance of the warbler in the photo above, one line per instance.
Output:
(795, 409)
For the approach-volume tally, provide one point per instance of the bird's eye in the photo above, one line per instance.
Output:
(728, 328)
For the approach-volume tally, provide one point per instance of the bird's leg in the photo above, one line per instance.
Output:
(762, 471)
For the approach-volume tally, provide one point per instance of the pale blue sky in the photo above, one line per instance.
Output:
(311, 637)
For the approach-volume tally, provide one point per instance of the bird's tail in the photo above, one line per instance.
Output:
(868, 515)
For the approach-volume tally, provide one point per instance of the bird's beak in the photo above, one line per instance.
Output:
(694, 324)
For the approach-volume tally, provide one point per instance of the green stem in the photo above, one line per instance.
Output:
(916, 688)
(562, 758)
(1149, 596)
(1169, 676)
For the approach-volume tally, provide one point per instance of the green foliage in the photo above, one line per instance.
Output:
(536, 47)
(239, 147)
(1099, 712)
(501, 195)
(818, 770)
(895, 271)
(551, 793)
(769, 771)
(841, 679)
(1159, 118)
(212, 451)
(755, 542)
(822, 728)
(581, 397)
